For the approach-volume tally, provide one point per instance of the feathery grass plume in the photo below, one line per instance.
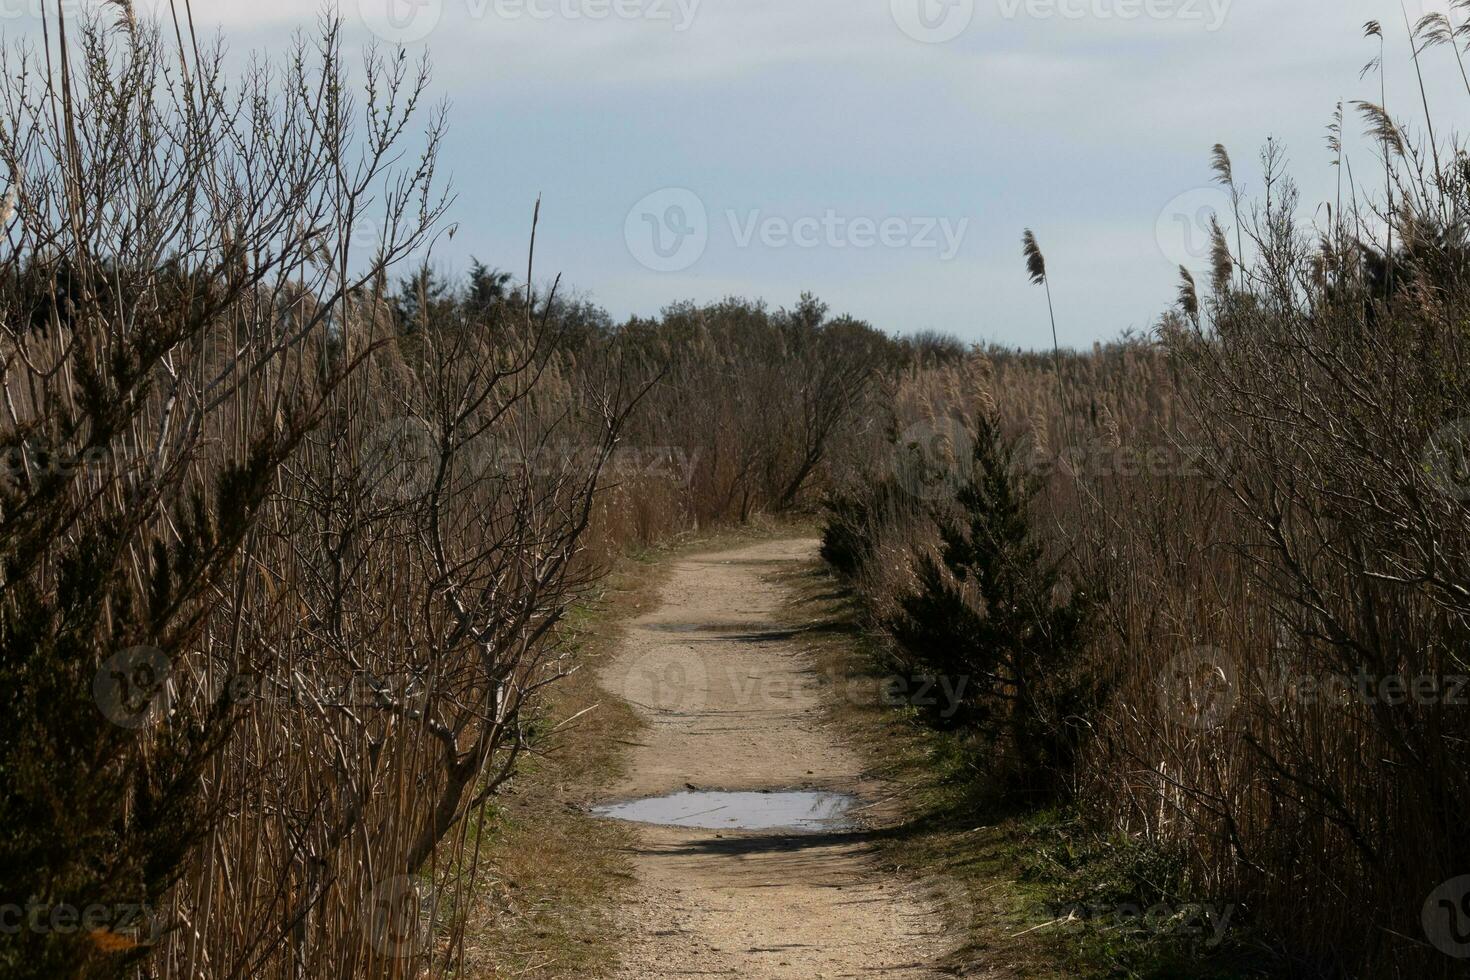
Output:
(1432, 30)
(1220, 163)
(1380, 125)
(1222, 266)
(1415, 50)
(1040, 429)
(1225, 175)
(1035, 261)
(1326, 259)
(1112, 432)
(127, 18)
(1334, 146)
(1188, 294)
(320, 254)
(1036, 269)
(7, 207)
(1334, 134)
(1388, 133)
(314, 245)
(1373, 29)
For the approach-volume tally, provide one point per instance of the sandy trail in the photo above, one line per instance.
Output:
(731, 704)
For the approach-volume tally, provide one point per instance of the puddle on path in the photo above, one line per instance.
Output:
(805, 811)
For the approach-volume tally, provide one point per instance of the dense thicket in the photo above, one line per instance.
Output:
(288, 530)
(1268, 500)
(285, 547)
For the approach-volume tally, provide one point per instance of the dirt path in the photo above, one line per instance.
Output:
(731, 705)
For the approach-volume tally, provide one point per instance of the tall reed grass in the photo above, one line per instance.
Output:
(1268, 493)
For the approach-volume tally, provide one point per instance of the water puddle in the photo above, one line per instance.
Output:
(805, 811)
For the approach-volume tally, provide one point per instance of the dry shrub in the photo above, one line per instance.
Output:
(1271, 498)
(280, 583)
(285, 557)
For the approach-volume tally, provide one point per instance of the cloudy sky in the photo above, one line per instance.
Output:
(883, 154)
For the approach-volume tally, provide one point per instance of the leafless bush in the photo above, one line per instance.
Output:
(763, 405)
(280, 584)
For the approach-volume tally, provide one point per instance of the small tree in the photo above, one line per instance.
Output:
(487, 288)
(992, 610)
(423, 298)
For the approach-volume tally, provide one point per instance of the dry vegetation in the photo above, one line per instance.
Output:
(1264, 505)
(287, 557)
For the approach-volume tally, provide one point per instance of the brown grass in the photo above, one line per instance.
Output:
(552, 872)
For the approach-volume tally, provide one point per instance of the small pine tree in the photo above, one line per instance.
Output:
(989, 611)
(423, 299)
(487, 288)
(850, 531)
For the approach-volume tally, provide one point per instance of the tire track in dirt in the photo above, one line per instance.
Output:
(731, 704)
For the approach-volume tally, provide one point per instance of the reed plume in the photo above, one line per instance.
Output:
(1225, 175)
(1036, 269)
(1381, 126)
(1188, 294)
(1220, 163)
(1222, 266)
(1035, 261)
(1434, 29)
(1373, 29)
(127, 17)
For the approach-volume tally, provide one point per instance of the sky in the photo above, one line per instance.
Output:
(885, 155)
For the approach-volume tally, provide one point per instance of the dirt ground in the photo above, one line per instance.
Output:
(732, 704)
